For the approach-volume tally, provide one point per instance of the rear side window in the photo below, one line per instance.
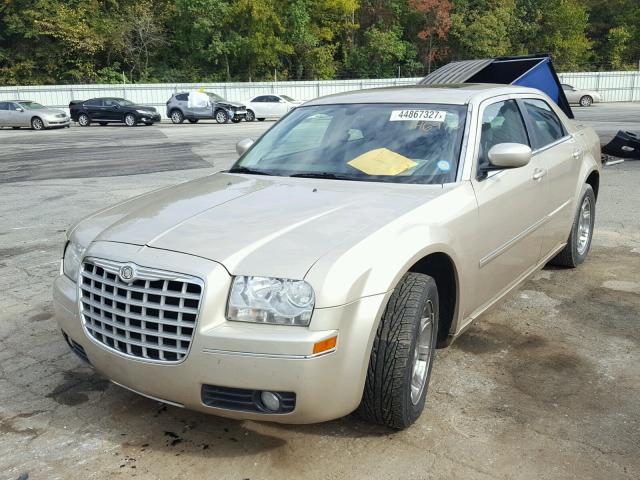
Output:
(547, 127)
(4, 106)
(96, 102)
(183, 97)
(501, 123)
(260, 99)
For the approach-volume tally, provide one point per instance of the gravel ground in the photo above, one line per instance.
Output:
(545, 385)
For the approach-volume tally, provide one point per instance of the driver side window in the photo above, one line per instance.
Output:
(502, 122)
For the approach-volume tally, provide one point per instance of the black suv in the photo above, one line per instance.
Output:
(111, 110)
(221, 110)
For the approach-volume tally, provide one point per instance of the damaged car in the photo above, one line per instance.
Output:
(319, 275)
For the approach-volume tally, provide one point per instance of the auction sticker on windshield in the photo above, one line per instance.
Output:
(412, 115)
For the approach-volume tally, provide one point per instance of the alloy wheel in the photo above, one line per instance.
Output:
(37, 124)
(584, 226)
(422, 354)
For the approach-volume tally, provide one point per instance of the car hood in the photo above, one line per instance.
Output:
(269, 226)
(49, 112)
(227, 103)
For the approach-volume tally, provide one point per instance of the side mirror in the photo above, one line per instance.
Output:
(504, 156)
(116, 106)
(243, 145)
(18, 109)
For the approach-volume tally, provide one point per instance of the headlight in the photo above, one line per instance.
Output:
(71, 261)
(144, 112)
(275, 301)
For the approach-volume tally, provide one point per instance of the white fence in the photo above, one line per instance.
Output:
(614, 87)
(157, 94)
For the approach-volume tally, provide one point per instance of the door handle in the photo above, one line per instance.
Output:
(538, 173)
(577, 154)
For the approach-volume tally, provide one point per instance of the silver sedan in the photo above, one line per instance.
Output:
(584, 98)
(25, 113)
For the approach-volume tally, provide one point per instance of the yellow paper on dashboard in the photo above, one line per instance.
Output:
(382, 161)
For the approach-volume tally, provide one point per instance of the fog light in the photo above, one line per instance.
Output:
(270, 401)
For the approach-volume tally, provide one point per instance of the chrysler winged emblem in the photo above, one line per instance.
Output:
(126, 273)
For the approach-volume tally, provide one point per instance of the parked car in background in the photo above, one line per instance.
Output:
(25, 113)
(584, 98)
(318, 274)
(270, 106)
(219, 109)
(112, 110)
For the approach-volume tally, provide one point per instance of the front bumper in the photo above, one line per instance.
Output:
(56, 122)
(150, 118)
(236, 355)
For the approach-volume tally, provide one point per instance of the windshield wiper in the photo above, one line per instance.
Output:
(250, 171)
(326, 175)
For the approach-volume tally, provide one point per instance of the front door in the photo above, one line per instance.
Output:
(511, 207)
(560, 155)
(4, 115)
(111, 110)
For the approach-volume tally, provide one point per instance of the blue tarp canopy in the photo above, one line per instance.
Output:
(535, 71)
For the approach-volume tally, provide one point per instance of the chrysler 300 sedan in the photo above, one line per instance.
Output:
(319, 274)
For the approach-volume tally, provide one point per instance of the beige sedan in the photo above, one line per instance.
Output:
(318, 275)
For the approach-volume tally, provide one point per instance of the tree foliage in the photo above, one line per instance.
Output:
(73, 41)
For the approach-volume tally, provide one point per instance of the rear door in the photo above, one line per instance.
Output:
(259, 106)
(4, 115)
(559, 155)
(95, 109)
(510, 206)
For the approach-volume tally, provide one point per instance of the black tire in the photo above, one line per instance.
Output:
(236, 120)
(387, 397)
(194, 120)
(130, 120)
(586, 101)
(103, 123)
(221, 116)
(261, 119)
(575, 252)
(251, 116)
(84, 120)
(176, 116)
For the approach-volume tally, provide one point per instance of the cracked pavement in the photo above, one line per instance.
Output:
(544, 385)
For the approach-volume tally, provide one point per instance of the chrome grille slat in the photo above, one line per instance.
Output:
(135, 319)
(152, 291)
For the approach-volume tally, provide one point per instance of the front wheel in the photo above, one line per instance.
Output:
(84, 120)
(586, 101)
(250, 116)
(402, 355)
(130, 120)
(37, 123)
(579, 243)
(221, 116)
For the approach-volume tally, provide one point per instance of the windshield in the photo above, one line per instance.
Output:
(124, 103)
(372, 142)
(214, 97)
(287, 98)
(32, 105)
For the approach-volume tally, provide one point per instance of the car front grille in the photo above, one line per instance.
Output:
(152, 316)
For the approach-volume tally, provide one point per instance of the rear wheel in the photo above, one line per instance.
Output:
(402, 354)
(586, 101)
(579, 243)
(84, 120)
(250, 116)
(130, 120)
(221, 116)
(177, 116)
(37, 123)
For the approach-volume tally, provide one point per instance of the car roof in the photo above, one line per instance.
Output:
(455, 94)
